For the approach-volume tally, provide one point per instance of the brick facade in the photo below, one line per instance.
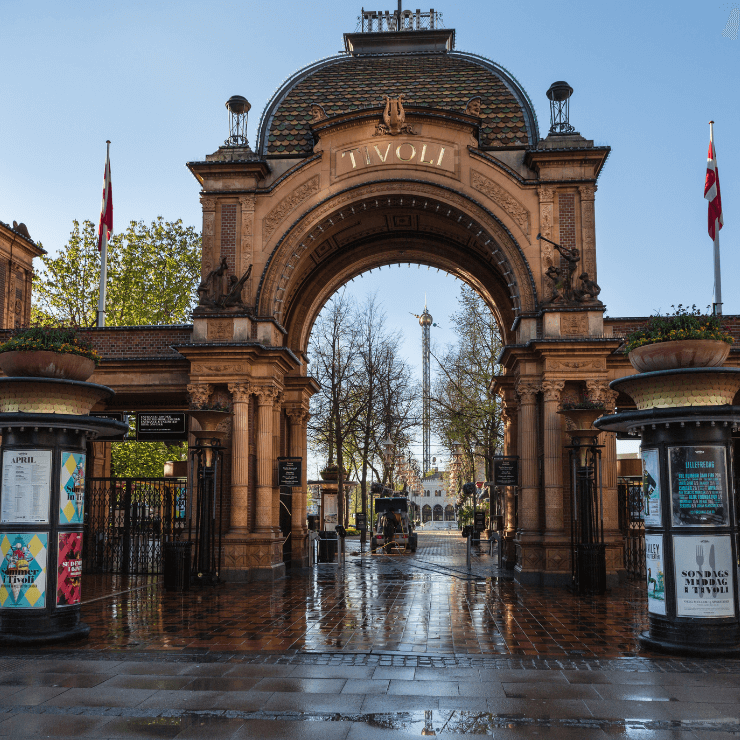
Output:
(228, 234)
(567, 218)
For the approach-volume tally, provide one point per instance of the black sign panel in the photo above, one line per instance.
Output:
(506, 471)
(480, 520)
(698, 475)
(361, 521)
(114, 415)
(290, 471)
(161, 426)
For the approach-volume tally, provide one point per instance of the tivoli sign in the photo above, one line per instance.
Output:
(425, 154)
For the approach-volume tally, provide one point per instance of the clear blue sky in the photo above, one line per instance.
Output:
(153, 77)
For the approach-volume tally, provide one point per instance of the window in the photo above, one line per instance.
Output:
(426, 513)
(438, 516)
(426, 493)
(438, 493)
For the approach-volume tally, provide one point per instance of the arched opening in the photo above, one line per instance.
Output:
(449, 513)
(438, 513)
(426, 513)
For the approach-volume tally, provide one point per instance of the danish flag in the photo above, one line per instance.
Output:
(106, 209)
(711, 192)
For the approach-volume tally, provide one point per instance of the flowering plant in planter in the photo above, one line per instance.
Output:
(684, 323)
(62, 340)
(210, 406)
(577, 403)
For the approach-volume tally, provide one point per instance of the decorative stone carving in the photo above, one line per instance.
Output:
(199, 394)
(298, 414)
(219, 290)
(209, 204)
(473, 107)
(552, 389)
(267, 395)
(547, 198)
(394, 119)
(225, 369)
(575, 365)
(220, 330)
(240, 392)
(288, 204)
(588, 228)
(574, 324)
(527, 390)
(496, 193)
(317, 113)
(599, 390)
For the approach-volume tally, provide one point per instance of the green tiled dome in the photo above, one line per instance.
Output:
(343, 84)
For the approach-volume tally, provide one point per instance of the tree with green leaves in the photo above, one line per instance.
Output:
(464, 408)
(153, 274)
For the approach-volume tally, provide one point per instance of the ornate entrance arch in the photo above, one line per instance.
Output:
(401, 151)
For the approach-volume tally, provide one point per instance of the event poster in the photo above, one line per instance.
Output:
(69, 568)
(651, 488)
(26, 486)
(704, 576)
(655, 569)
(23, 570)
(698, 476)
(72, 488)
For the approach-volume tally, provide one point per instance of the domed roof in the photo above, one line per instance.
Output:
(435, 80)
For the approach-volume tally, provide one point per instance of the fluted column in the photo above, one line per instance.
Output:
(529, 510)
(267, 396)
(276, 452)
(553, 444)
(509, 418)
(240, 393)
(298, 448)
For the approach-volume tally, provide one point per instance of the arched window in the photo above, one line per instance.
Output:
(438, 513)
(438, 493)
(449, 513)
(426, 513)
(426, 493)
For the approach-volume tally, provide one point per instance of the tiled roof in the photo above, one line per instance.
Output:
(430, 80)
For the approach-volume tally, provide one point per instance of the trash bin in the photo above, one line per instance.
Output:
(590, 568)
(327, 546)
(177, 559)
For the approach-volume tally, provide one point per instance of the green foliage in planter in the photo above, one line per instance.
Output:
(62, 340)
(575, 403)
(683, 323)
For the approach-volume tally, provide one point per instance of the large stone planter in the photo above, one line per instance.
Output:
(679, 354)
(46, 364)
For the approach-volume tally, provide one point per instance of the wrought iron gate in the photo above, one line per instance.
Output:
(632, 525)
(127, 520)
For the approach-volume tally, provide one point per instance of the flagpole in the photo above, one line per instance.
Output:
(103, 256)
(717, 272)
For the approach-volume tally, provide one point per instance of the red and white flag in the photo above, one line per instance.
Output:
(106, 209)
(711, 192)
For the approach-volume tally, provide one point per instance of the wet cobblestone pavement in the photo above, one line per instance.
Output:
(386, 647)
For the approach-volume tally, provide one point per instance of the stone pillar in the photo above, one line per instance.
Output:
(509, 418)
(588, 229)
(529, 510)
(547, 219)
(266, 398)
(276, 452)
(240, 394)
(245, 253)
(209, 234)
(553, 443)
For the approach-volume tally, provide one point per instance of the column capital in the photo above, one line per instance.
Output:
(527, 390)
(588, 192)
(209, 204)
(246, 202)
(546, 193)
(199, 393)
(597, 389)
(298, 414)
(552, 389)
(267, 394)
(240, 392)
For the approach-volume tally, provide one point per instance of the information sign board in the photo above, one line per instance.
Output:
(698, 476)
(290, 471)
(26, 486)
(480, 520)
(651, 513)
(361, 521)
(506, 471)
(161, 426)
(655, 571)
(704, 576)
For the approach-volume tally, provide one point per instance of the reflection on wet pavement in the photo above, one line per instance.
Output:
(423, 604)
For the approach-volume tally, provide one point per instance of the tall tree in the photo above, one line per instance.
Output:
(153, 273)
(464, 408)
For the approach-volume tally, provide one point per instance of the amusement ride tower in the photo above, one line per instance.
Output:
(425, 321)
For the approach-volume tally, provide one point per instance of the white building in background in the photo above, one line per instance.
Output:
(436, 504)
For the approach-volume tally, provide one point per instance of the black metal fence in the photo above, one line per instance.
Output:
(128, 520)
(632, 525)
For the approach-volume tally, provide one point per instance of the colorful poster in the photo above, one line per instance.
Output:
(655, 570)
(69, 568)
(698, 476)
(72, 488)
(23, 570)
(651, 488)
(26, 486)
(704, 576)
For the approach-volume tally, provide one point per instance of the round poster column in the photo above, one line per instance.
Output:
(42, 500)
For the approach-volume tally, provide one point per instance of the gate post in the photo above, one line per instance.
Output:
(126, 554)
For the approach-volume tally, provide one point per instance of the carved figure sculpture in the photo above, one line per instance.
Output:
(473, 106)
(317, 113)
(590, 289)
(219, 290)
(22, 230)
(394, 119)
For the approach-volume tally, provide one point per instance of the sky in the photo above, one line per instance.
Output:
(153, 78)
